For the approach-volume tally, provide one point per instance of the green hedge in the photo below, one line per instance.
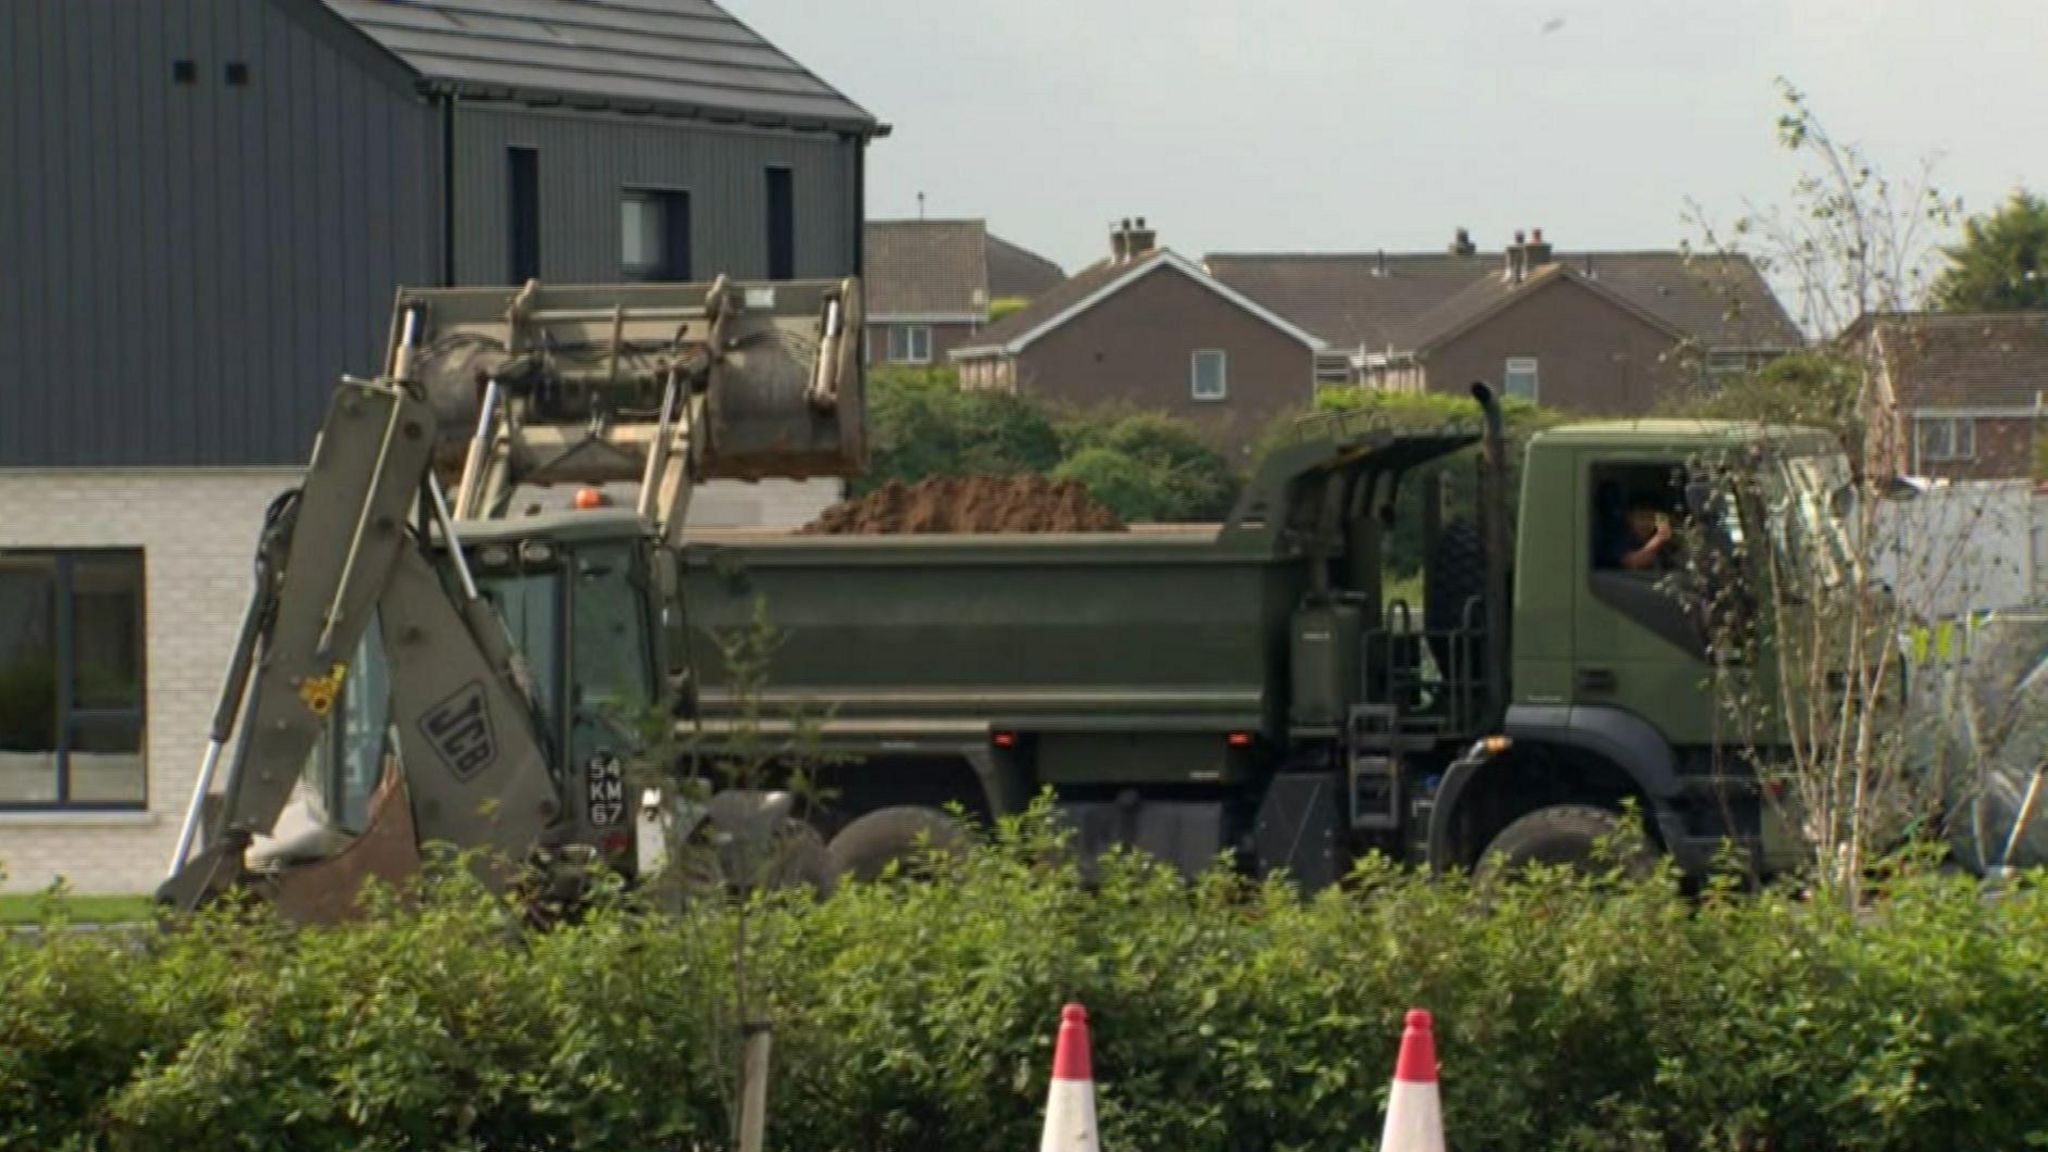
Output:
(1572, 1014)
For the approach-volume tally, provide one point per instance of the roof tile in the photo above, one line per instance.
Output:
(685, 55)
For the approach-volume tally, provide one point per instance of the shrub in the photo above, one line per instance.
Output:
(1148, 466)
(922, 423)
(1229, 1013)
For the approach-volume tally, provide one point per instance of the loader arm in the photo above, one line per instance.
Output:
(336, 558)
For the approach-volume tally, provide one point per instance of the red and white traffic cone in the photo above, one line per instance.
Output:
(1415, 1115)
(1070, 1106)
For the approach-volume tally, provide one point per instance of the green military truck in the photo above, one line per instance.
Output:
(1252, 689)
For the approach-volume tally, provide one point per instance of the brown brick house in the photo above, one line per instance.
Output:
(1612, 333)
(1150, 329)
(930, 285)
(1958, 395)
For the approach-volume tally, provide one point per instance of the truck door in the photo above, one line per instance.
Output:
(1636, 646)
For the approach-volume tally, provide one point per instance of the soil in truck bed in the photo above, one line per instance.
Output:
(1027, 503)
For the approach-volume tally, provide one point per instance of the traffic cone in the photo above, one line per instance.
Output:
(1415, 1116)
(1070, 1105)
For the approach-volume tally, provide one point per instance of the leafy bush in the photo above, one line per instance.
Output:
(922, 423)
(1573, 1013)
(1148, 466)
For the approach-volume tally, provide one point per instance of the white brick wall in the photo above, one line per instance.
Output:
(197, 530)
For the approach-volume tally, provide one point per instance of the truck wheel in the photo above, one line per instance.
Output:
(1454, 576)
(866, 847)
(794, 858)
(1567, 834)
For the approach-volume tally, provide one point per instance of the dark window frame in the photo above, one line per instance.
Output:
(64, 637)
(779, 199)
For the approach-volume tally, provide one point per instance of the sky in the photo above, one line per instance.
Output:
(1360, 125)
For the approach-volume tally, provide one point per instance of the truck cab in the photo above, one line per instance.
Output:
(1615, 664)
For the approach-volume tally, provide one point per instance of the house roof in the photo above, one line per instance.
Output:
(1018, 272)
(685, 57)
(1097, 282)
(1374, 302)
(1968, 360)
(928, 268)
(1351, 300)
(1490, 294)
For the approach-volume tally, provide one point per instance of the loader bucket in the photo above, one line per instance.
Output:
(583, 372)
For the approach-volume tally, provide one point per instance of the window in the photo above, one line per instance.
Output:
(910, 344)
(1940, 438)
(1522, 379)
(522, 208)
(781, 201)
(654, 235)
(1724, 363)
(1210, 375)
(71, 676)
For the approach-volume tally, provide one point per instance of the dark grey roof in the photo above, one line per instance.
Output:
(926, 268)
(1058, 299)
(1018, 272)
(1490, 294)
(689, 57)
(1963, 360)
(1380, 302)
(1351, 300)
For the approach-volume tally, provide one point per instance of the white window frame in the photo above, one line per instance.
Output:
(916, 345)
(1960, 439)
(1222, 390)
(1528, 366)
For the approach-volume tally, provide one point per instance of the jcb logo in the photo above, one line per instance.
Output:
(459, 728)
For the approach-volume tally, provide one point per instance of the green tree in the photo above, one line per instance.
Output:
(1148, 466)
(2002, 263)
(1820, 388)
(922, 423)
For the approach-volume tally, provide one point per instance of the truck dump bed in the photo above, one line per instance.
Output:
(1155, 628)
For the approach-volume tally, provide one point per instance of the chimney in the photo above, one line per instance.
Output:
(1143, 239)
(1462, 245)
(1120, 241)
(1517, 259)
(1537, 253)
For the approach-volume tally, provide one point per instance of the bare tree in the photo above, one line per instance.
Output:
(1813, 577)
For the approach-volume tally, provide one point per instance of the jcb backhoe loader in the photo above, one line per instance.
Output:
(461, 667)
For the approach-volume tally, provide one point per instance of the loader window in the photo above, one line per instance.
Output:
(530, 604)
(608, 636)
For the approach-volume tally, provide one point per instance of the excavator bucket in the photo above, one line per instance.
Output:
(328, 891)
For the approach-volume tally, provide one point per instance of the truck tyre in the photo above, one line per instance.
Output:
(864, 848)
(795, 858)
(1565, 834)
(1453, 577)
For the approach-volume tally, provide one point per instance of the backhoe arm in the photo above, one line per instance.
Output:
(336, 557)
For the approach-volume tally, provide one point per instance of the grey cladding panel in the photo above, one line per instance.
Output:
(588, 161)
(191, 264)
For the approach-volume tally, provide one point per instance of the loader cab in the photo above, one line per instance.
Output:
(577, 592)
